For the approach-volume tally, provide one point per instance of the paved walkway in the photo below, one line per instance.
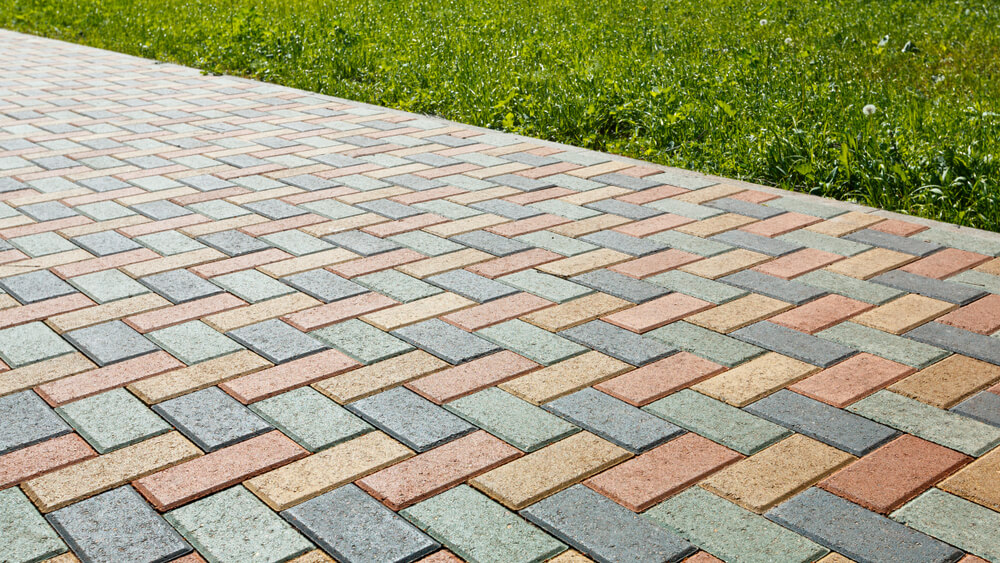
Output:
(248, 323)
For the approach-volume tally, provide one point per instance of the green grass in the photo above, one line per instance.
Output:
(702, 84)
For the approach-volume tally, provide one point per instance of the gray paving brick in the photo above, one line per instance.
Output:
(534, 343)
(697, 286)
(233, 243)
(790, 291)
(929, 287)
(274, 209)
(479, 530)
(627, 182)
(685, 209)
(970, 242)
(168, 243)
(556, 243)
(397, 285)
(445, 341)
(36, 286)
(617, 421)
(978, 280)
(836, 427)
(414, 182)
(689, 243)
(362, 243)
(794, 344)
(521, 182)
(47, 211)
(42, 244)
(492, 243)
(233, 526)
(426, 243)
(546, 286)
(603, 530)
(277, 341)
(160, 210)
(983, 406)
(620, 285)
(860, 534)
(960, 522)
(108, 285)
(105, 243)
(112, 420)
(705, 343)
(310, 418)
(513, 420)
(332, 209)
(746, 208)
(717, 421)
(958, 340)
(906, 245)
(104, 210)
(757, 243)
(624, 209)
(564, 209)
(850, 287)
(410, 418)
(823, 242)
(27, 536)
(624, 243)
(806, 207)
(361, 341)
(447, 209)
(25, 420)
(110, 342)
(625, 345)
(506, 209)
(252, 286)
(212, 419)
(296, 242)
(888, 346)
(390, 209)
(180, 286)
(472, 286)
(324, 285)
(353, 527)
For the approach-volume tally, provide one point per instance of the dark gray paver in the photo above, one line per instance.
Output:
(25, 419)
(488, 242)
(234, 243)
(929, 287)
(789, 291)
(905, 245)
(110, 342)
(180, 286)
(211, 418)
(324, 285)
(117, 526)
(362, 243)
(410, 418)
(445, 341)
(605, 531)
(355, 528)
(105, 243)
(860, 534)
(617, 421)
(310, 418)
(757, 243)
(619, 343)
(619, 285)
(277, 341)
(36, 286)
(841, 429)
(794, 344)
(958, 340)
(624, 243)
(983, 406)
(472, 286)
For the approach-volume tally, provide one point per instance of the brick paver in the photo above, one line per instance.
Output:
(244, 322)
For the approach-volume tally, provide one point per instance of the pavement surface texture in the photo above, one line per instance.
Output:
(241, 322)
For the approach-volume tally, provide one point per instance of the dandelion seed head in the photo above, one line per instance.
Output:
(788, 41)
(763, 22)
(869, 109)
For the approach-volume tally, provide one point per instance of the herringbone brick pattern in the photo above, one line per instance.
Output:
(246, 323)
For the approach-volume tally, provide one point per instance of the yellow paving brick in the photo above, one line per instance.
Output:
(576, 312)
(571, 556)
(949, 381)
(991, 267)
(345, 224)
(770, 476)
(589, 225)
(361, 197)
(108, 312)
(978, 481)
(725, 264)
(739, 313)
(552, 382)
(308, 262)
(312, 476)
(199, 376)
(270, 309)
(468, 198)
(583, 263)
(461, 226)
(444, 263)
(368, 380)
(43, 372)
(224, 225)
(870, 263)
(416, 311)
(904, 314)
(173, 262)
(845, 224)
(590, 196)
(716, 225)
(549, 470)
(96, 475)
(710, 193)
(755, 379)
(101, 226)
(43, 262)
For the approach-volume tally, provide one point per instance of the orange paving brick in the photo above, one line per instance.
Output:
(949, 381)
(660, 378)
(893, 474)
(498, 311)
(26, 463)
(177, 314)
(74, 387)
(945, 263)
(658, 312)
(982, 316)
(406, 225)
(565, 377)
(870, 263)
(330, 313)
(576, 312)
(368, 380)
(821, 314)
(739, 313)
(438, 470)
(655, 263)
(977, 481)
(114, 310)
(173, 262)
(271, 381)
(461, 380)
(201, 476)
(904, 314)
(178, 382)
(797, 263)
(755, 379)
(514, 263)
(851, 380)
(725, 264)
(991, 267)
(597, 194)
(262, 311)
(643, 481)
(653, 225)
(104, 263)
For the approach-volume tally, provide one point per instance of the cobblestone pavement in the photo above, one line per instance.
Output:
(247, 323)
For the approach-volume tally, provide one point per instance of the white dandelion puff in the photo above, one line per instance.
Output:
(788, 41)
(869, 109)
(763, 22)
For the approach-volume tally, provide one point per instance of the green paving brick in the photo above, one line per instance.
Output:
(534, 343)
(943, 427)
(869, 292)
(729, 532)
(252, 286)
(546, 286)
(889, 346)
(962, 523)
(169, 242)
(108, 285)
(24, 535)
(112, 420)
(480, 530)
(697, 286)
(30, 343)
(806, 207)
(517, 422)
(978, 280)
(970, 243)
(310, 418)
(556, 243)
(42, 244)
(397, 285)
(331, 208)
(823, 242)
(193, 342)
(708, 344)
(718, 421)
(426, 243)
(233, 526)
(361, 341)
(690, 243)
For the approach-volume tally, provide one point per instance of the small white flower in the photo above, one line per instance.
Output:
(788, 41)
(869, 109)
(763, 22)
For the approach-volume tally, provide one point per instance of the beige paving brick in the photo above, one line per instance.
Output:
(90, 477)
(312, 476)
(768, 477)
(101, 226)
(845, 224)
(739, 313)
(725, 264)
(978, 481)
(949, 381)
(308, 262)
(466, 225)
(199, 376)
(43, 262)
(272, 308)
(589, 225)
(444, 263)
(549, 470)
(583, 263)
(565, 377)
(416, 311)
(107, 312)
(576, 312)
(590, 196)
(716, 225)
(871, 263)
(904, 314)
(173, 262)
(345, 224)
(39, 373)
(368, 380)
(710, 193)
(755, 379)
(224, 225)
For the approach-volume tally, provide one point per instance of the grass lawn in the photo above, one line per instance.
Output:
(767, 91)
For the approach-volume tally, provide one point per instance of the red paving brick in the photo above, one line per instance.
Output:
(655, 263)
(821, 314)
(945, 263)
(659, 379)
(459, 381)
(494, 312)
(102, 379)
(797, 263)
(982, 316)
(657, 313)
(326, 315)
(20, 465)
(268, 382)
(851, 380)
